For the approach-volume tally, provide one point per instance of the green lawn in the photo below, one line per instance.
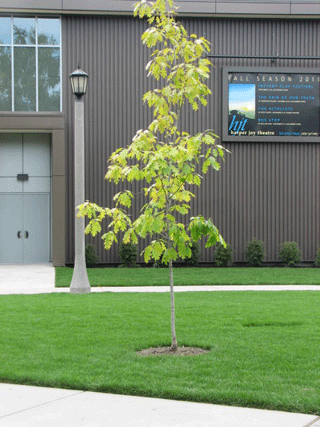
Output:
(265, 349)
(193, 276)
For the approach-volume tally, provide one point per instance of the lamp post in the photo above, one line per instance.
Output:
(80, 282)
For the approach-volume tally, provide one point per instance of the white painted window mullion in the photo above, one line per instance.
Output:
(12, 66)
(60, 47)
(37, 74)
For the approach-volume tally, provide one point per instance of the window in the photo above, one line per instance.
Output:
(30, 66)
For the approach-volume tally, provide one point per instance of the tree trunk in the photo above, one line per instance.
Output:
(174, 344)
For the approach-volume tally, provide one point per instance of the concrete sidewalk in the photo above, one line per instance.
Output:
(44, 407)
(27, 279)
(40, 279)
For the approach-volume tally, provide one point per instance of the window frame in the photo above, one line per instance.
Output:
(36, 46)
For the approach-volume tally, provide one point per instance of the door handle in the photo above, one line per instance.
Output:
(26, 234)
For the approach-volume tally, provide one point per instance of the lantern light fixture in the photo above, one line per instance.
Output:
(79, 80)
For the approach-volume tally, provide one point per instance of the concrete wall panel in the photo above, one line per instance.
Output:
(186, 7)
(253, 8)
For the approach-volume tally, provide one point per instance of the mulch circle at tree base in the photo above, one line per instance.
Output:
(180, 351)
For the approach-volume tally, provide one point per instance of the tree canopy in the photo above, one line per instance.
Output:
(166, 159)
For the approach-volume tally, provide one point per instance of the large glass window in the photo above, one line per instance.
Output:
(5, 31)
(49, 78)
(24, 79)
(24, 31)
(30, 65)
(5, 79)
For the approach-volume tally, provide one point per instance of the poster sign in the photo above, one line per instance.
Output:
(271, 104)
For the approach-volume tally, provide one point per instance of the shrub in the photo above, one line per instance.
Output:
(223, 255)
(91, 256)
(317, 260)
(195, 253)
(128, 254)
(290, 254)
(255, 253)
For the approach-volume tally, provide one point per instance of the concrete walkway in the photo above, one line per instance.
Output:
(24, 406)
(40, 279)
(26, 279)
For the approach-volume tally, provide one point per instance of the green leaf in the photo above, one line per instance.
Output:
(147, 253)
(109, 238)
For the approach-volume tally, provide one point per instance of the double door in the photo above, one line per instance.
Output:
(25, 198)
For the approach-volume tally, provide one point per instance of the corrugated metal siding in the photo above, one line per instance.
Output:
(264, 190)
(270, 192)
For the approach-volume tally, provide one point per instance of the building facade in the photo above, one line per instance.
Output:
(264, 106)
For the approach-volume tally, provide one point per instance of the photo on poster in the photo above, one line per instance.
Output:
(242, 100)
(242, 108)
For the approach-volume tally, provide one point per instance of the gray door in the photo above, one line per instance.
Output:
(25, 198)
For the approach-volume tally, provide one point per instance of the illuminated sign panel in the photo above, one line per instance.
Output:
(271, 105)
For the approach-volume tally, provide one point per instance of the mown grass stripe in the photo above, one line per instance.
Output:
(193, 276)
(89, 342)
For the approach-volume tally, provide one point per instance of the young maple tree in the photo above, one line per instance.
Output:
(168, 161)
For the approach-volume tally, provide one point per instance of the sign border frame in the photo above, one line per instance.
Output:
(260, 70)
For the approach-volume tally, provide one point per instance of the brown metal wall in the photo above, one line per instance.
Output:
(264, 190)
